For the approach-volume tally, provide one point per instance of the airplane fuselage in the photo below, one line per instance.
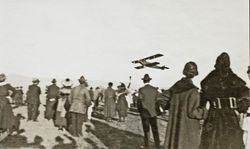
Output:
(146, 64)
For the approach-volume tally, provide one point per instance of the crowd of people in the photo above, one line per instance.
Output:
(221, 101)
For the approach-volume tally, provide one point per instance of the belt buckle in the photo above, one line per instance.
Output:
(219, 103)
(233, 103)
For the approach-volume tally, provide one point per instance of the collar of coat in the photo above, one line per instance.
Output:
(182, 85)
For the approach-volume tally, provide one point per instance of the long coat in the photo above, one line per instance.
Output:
(33, 94)
(51, 102)
(147, 101)
(6, 113)
(52, 91)
(79, 99)
(183, 130)
(221, 130)
(109, 102)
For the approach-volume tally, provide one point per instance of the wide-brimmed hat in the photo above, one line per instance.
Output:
(67, 82)
(2, 77)
(146, 77)
(82, 79)
(53, 80)
(35, 80)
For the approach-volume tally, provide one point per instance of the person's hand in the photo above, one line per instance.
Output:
(207, 105)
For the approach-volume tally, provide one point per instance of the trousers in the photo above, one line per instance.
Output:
(33, 111)
(146, 123)
(77, 122)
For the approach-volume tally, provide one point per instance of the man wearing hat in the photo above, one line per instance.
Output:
(80, 101)
(51, 102)
(33, 100)
(146, 106)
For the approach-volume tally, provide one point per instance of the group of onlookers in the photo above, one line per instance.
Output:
(223, 96)
(115, 102)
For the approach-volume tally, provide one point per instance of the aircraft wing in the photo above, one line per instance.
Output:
(152, 64)
(139, 67)
(135, 61)
(152, 57)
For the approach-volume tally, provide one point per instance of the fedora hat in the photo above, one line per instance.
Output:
(146, 77)
(2, 77)
(35, 80)
(82, 79)
(53, 80)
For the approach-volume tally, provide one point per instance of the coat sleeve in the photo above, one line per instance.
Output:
(71, 96)
(87, 98)
(194, 110)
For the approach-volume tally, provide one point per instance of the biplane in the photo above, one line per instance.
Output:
(145, 63)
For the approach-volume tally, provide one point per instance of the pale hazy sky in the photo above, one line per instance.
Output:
(100, 38)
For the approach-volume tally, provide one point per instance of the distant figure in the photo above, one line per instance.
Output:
(80, 101)
(91, 107)
(183, 129)
(109, 102)
(91, 93)
(97, 96)
(147, 109)
(64, 98)
(61, 121)
(33, 100)
(18, 96)
(51, 100)
(135, 97)
(122, 104)
(6, 113)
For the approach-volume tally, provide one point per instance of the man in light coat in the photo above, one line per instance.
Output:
(80, 101)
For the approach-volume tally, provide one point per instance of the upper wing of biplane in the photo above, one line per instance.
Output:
(152, 57)
(147, 58)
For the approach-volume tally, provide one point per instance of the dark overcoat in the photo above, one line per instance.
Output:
(147, 101)
(33, 94)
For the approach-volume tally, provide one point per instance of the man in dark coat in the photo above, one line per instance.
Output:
(146, 106)
(51, 102)
(223, 89)
(33, 100)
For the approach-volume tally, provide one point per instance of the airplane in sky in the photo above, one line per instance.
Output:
(144, 63)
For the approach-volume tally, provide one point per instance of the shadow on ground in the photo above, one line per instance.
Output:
(17, 141)
(114, 138)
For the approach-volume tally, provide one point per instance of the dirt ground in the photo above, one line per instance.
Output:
(98, 134)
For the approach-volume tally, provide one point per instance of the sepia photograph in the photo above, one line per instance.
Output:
(124, 74)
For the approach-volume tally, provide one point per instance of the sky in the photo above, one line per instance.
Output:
(100, 38)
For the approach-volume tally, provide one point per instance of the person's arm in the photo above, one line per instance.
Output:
(87, 98)
(70, 99)
(39, 91)
(193, 109)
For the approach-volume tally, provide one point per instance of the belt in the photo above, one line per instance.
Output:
(219, 103)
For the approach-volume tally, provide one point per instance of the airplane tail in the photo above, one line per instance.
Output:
(164, 67)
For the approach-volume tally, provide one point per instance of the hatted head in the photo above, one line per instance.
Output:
(190, 69)
(2, 77)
